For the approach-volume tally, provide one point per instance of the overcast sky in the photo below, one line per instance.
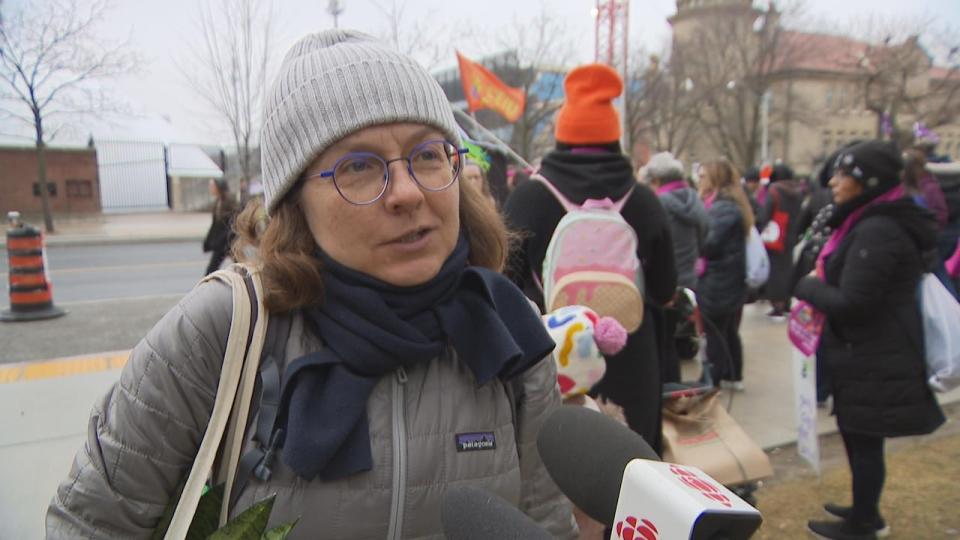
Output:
(161, 31)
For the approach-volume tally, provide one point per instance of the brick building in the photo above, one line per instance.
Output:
(73, 183)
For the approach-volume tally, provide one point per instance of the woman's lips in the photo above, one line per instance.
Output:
(413, 240)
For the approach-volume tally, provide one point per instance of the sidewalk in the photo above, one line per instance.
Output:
(44, 407)
(144, 227)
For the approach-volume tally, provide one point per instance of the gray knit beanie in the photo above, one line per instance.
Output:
(332, 84)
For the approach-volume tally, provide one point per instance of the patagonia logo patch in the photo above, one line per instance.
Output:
(468, 442)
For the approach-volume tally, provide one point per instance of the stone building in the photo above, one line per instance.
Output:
(824, 90)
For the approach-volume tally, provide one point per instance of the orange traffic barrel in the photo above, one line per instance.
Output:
(31, 295)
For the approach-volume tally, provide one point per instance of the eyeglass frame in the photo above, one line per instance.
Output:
(330, 173)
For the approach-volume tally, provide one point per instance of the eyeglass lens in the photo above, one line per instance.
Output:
(362, 177)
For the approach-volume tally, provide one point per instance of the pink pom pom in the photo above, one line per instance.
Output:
(610, 336)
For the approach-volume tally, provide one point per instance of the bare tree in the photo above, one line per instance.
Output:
(901, 70)
(428, 43)
(542, 54)
(230, 71)
(734, 65)
(900, 80)
(50, 63)
(662, 109)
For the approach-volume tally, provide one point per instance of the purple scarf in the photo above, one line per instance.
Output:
(806, 322)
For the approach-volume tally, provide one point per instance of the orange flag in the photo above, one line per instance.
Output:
(485, 91)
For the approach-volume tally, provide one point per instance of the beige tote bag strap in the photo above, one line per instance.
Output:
(236, 429)
(226, 393)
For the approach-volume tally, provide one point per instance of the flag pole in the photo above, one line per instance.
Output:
(503, 146)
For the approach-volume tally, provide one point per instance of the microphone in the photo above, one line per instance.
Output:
(471, 513)
(614, 476)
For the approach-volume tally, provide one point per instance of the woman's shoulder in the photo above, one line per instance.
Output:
(725, 204)
(203, 315)
(209, 303)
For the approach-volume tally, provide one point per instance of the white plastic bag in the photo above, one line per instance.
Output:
(758, 263)
(941, 333)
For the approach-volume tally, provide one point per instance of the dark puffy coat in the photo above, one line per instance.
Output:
(872, 343)
(221, 235)
(722, 288)
(632, 379)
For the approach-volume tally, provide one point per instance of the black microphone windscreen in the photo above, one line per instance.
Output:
(585, 453)
(471, 513)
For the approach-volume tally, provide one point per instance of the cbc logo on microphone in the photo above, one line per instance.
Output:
(632, 528)
(706, 488)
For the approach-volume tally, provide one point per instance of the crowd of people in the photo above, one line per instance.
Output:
(412, 298)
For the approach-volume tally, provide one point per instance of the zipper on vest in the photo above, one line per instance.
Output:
(399, 456)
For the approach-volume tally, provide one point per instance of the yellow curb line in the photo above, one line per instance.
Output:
(62, 367)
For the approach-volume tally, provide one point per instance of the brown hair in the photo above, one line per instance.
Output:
(914, 167)
(283, 246)
(725, 180)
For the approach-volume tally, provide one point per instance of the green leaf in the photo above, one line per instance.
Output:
(207, 517)
(249, 525)
(280, 532)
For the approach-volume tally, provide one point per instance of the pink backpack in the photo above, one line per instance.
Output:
(592, 261)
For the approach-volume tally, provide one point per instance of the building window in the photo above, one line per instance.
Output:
(830, 97)
(51, 189)
(79, 189)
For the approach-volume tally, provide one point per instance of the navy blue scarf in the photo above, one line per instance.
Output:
(370, 329)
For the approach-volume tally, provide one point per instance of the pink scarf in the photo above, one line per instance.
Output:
(953, 263)
(806, 322)
(672, 186)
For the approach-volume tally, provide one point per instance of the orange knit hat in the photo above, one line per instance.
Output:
(587, 115)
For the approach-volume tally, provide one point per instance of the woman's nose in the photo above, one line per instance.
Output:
(403, 192)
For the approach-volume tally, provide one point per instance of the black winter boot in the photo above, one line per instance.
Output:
(842, 530)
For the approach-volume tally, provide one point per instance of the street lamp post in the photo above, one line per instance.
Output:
(335, 8)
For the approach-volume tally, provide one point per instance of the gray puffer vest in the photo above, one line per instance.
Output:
(143, 435)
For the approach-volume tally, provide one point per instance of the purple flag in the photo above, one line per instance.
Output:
(922, 133)
(886, 126)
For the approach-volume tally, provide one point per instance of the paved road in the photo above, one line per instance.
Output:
(84, 273)
(113, 295)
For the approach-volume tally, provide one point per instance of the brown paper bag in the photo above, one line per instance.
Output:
(699, 432)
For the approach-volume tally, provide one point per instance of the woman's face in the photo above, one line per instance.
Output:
(214, 192)
(472, 173)
(705, 185)
(844, 187)
(404, 237)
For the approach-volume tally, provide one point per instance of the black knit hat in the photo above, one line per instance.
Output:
(875, 164)
(827, 170)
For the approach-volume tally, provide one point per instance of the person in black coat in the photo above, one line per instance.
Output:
(722, 288)
(872, 341)
(588, 164)
(220, 235)
(784, 195)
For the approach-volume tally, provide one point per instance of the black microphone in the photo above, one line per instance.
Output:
(585, 453)
(471, 513)
(614, 476)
